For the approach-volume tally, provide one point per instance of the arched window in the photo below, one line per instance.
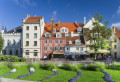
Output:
(4, 52)
(10, 53)
(8, 42)
(13, 42)
(16, 52)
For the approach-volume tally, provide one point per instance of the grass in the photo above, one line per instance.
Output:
(63, 76)
(91, 76)
(115, 74)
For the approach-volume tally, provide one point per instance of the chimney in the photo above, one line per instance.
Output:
(84, 20)
(28, 15)
(113, 29)
(52, 21)
(76, 22)
(59, 25)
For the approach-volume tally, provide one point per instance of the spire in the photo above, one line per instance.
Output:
(5, 29)
(2, 27)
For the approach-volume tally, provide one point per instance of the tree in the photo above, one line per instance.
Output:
(1, 42)
(99, 34)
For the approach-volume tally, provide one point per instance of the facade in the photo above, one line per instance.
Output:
(33, 28)
(12, 40)
(115, 45)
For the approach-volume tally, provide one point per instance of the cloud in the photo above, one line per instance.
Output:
(25, 3)
(116, 24)
(117, 13)
(54, 15)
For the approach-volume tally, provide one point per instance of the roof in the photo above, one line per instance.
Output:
(69, 38)
(53, 35)
(17, 30)
(33, 19)
(71, 26)
(117, 33)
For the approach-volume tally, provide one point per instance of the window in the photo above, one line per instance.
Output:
(58, 35)
(45, 41)
(27, 43)
(50, 41)
(91, 48)
(14, 42)
(91, 41)
(35, 27)
(47, 35)
(51, 48)
(65, 30)
(35, 53)
(77, 48)
(81, 49)
(8, 42)
(27, 27)
(115, 40)
(115, 47)
(35, 35)
(27, 52)
(77, 42)
(56, 48)
(70, 42)
(61, 48)
(45, 48)
(56, 41)
(35, 43)
(62, 30)
(45, 55)
(67, 48)
(27, 35)
(115, 54)
(61, 41)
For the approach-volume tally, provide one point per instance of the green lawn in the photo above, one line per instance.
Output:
(63, 75)
(91, 76)
(115, 74)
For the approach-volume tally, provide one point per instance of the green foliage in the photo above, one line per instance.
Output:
(10, 65)
(48, 66)
(69, 67)
(29, 64)
(115, 66)
(1, 42)
(22, 59)
(14, 58)
(94, 67)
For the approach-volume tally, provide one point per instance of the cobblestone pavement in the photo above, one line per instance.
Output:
(12, 80)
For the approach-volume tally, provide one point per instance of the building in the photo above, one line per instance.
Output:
(33, 27)
(12, 41)
(115, 45)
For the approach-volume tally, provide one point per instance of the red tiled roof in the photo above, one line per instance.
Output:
(71, 26)
(69, 38)
(117, 33)
(33, 19)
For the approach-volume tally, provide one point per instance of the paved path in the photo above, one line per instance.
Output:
(12, 80)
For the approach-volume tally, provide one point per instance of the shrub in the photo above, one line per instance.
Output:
(48, 66)
(94, 67)
(29, 64)
(69, 67)
(114, 65)
(22, 59)
(14, 58)
(10, 65)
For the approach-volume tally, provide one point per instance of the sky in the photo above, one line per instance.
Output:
(13, 11)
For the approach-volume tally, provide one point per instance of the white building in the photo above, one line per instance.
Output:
(33, 27)
(12, 41)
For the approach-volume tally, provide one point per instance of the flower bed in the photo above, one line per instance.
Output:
(107, 77)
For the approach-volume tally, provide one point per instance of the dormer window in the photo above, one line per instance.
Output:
(79, 29)
(58, 34)
(47, 34)
(70, 42)
(77, 42)
(64, 30)
(54, 30)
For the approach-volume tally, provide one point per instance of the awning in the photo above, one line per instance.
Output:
(58, 52)
(99, 51)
